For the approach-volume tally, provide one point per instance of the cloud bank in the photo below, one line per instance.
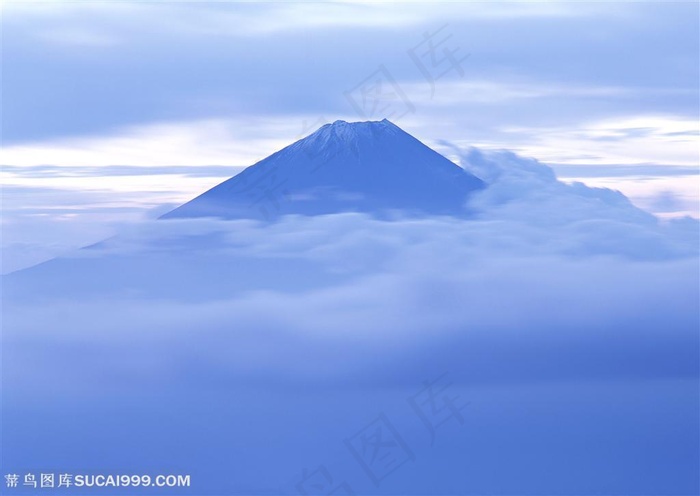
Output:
(260, 347)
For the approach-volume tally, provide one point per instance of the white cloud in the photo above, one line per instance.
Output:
(203, 142)
(667, 197)
(358, 284)
(625, 140)
(54, 21)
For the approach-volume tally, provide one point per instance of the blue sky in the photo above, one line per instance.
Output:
(112, 109)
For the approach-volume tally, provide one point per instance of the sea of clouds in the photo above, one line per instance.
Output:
(564, 318)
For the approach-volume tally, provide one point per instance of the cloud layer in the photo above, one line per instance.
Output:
(260, 347)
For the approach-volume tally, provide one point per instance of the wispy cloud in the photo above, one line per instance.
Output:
(470, 91)
(45, 171)
(80, 38)
(233, 142)
(248, 19)
(656, 139)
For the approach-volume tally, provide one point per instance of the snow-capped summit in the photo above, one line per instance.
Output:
(348, 131)
(373, 167)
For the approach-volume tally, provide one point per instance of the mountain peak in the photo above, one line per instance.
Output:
(347, 132)
(372, 166)
(360, 124)
(341, 126)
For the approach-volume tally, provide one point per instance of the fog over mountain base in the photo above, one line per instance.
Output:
(557, 327)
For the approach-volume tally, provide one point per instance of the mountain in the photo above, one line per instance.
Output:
(373, 167)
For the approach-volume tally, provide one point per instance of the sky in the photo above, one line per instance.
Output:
(109, 117)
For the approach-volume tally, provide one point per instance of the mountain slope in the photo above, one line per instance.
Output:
(372, 167)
